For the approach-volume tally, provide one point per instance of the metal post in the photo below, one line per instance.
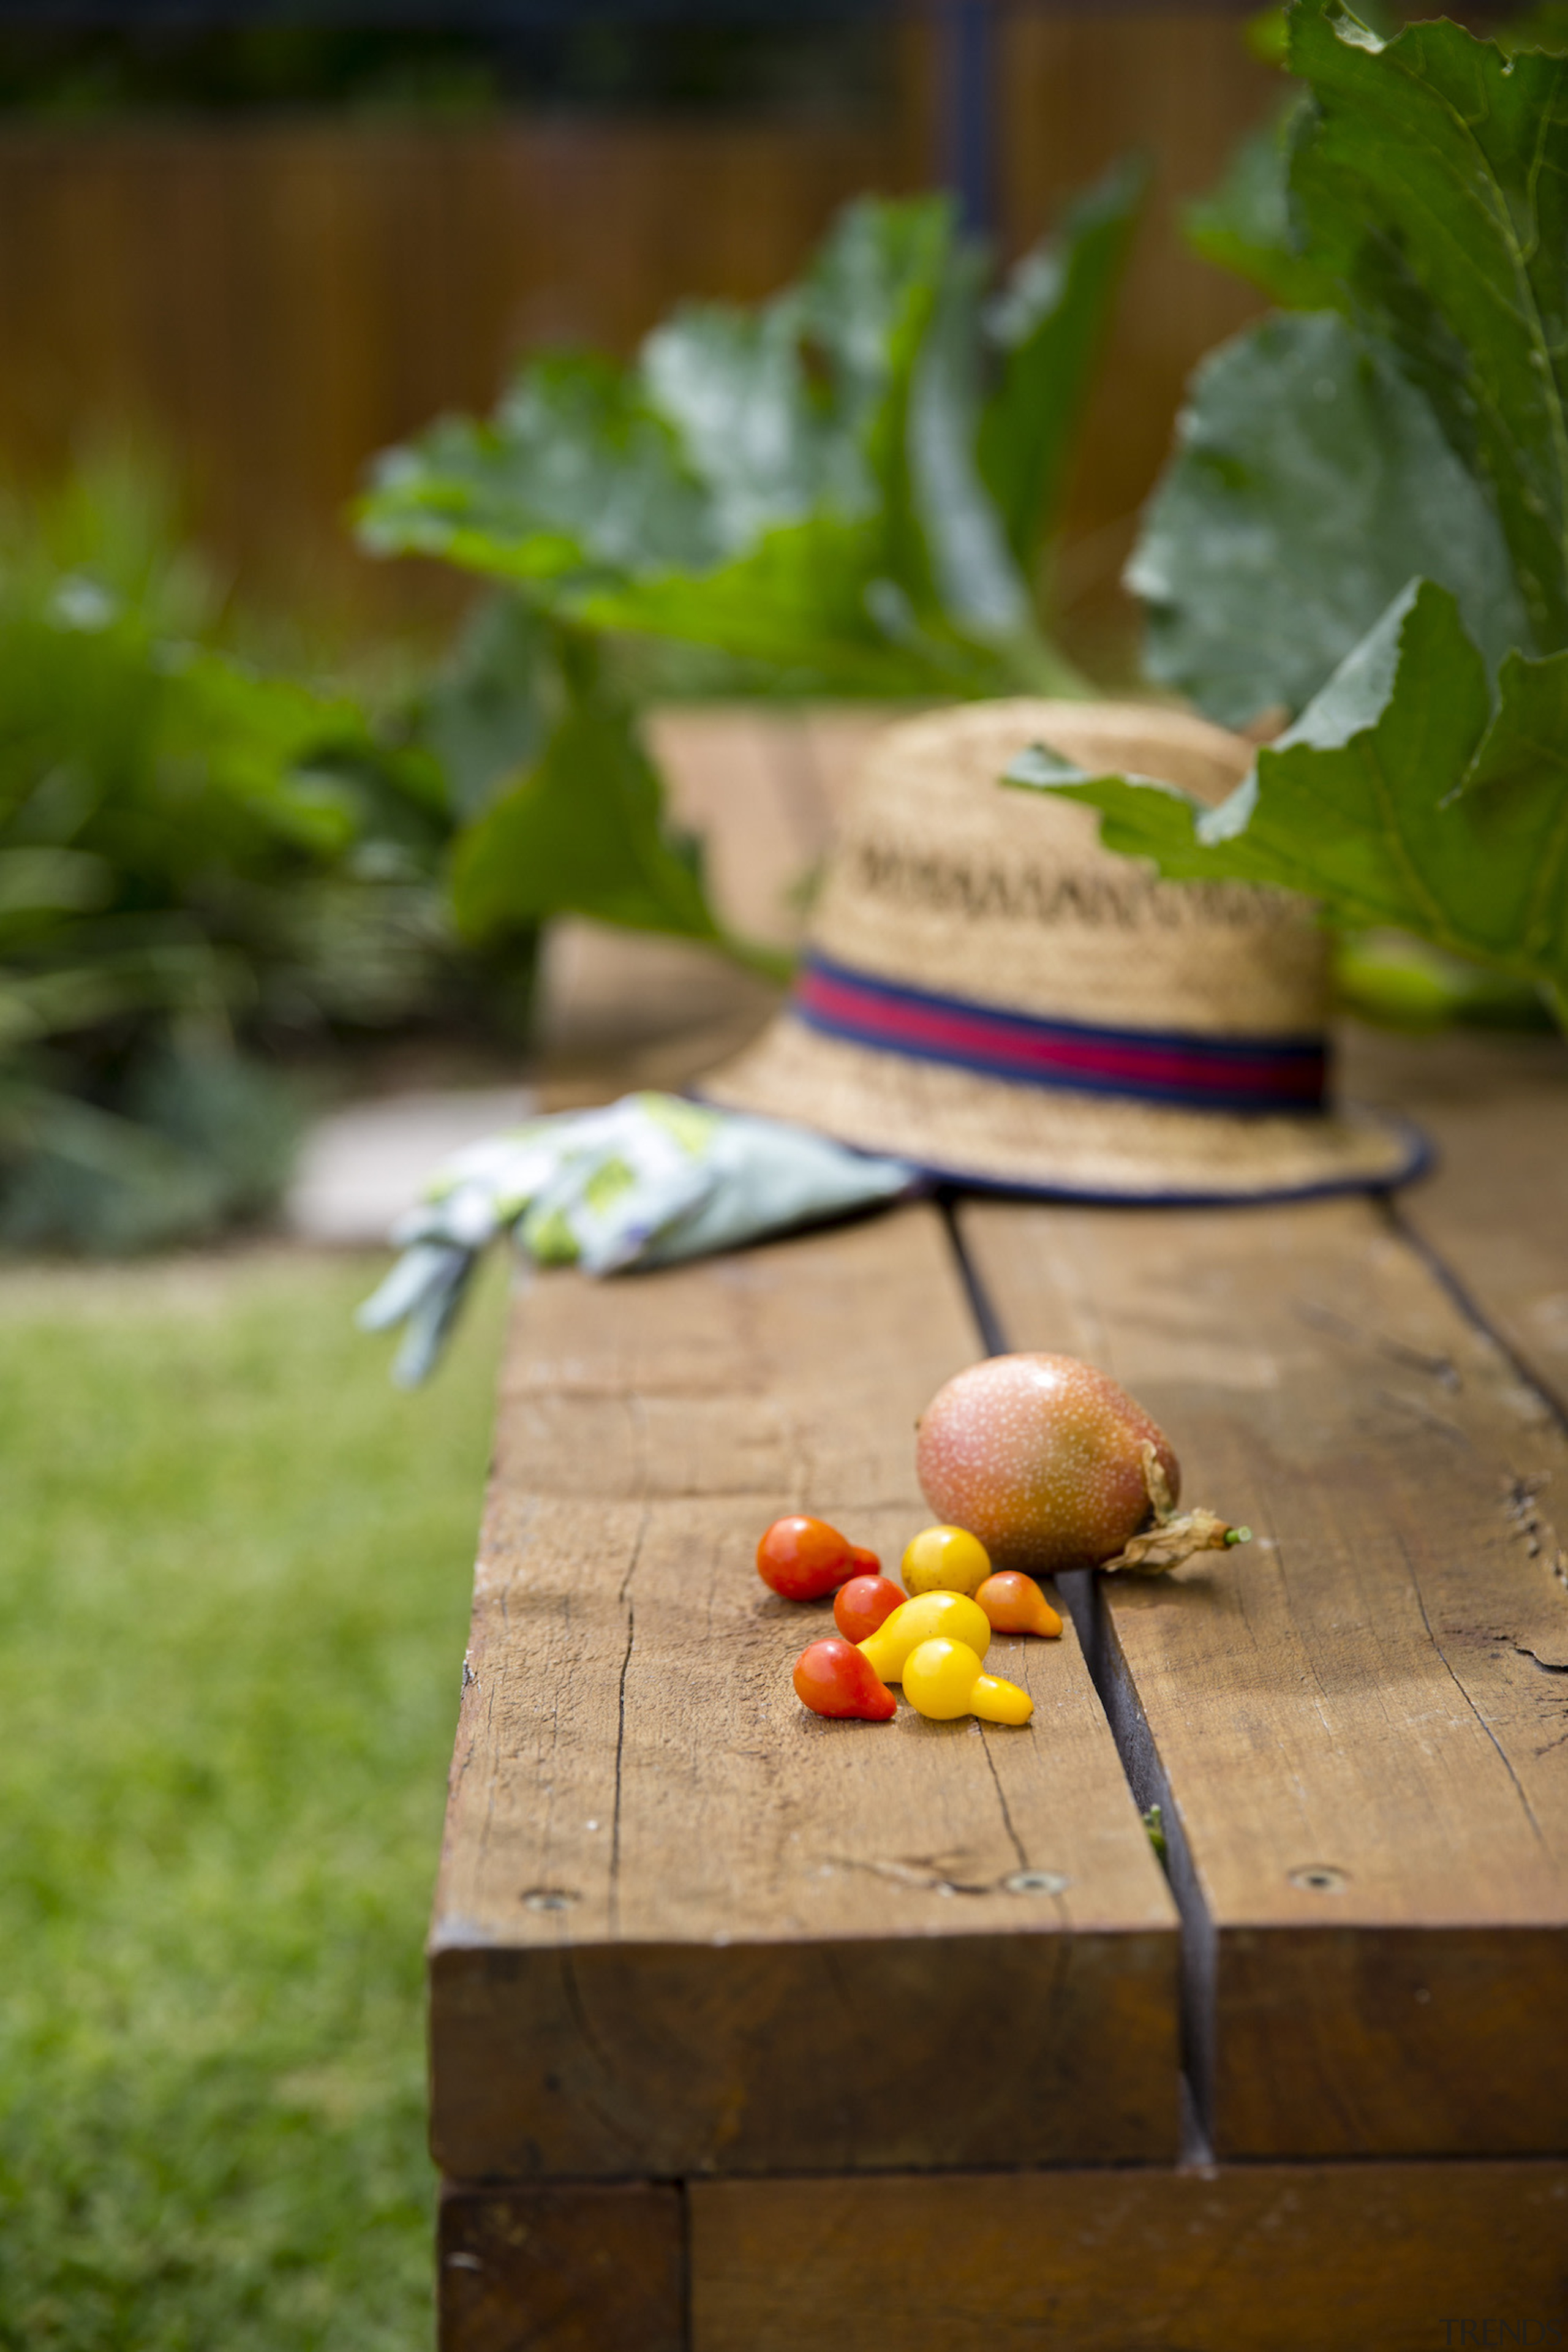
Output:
(966, 103)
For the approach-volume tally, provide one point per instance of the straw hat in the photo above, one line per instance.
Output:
(989, 994)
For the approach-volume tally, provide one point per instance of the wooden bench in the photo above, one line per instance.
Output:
(751, 2030)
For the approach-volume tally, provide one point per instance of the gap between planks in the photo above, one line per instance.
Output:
(1140, 1762)
(1084, 1595)
(1554, 1400)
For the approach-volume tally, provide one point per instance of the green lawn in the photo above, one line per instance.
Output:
(234, 1579)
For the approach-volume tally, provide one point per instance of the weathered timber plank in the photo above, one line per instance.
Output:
(580, 2268)
(1495, 1209)
(1262, 2258)
(1359, 1723)
(681, 1924)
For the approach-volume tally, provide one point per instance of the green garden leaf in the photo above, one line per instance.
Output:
(986, 464)
(582, 832)
(978, 582)
(1047, 326)
(1431, 178)
(1400, 798)
(1311, 482)
(813, 598)
(797, 407)
(197, 859)
(1409, 444)
(1323, 461)
(39, 881)
(253, 738)
(1516, 789)
(1396, 981)
(482, 715)
(1244, 225)
(576, 477)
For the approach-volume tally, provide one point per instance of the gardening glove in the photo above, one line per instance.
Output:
(646, 1181)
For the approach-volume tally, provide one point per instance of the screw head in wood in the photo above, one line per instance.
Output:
(1034, 1882)
(1320, 1879)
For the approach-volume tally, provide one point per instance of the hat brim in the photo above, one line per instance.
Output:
(1056, 1142)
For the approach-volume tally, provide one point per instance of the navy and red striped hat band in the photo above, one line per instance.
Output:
(1259, 1075)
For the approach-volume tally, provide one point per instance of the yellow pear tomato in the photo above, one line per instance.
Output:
(951, 1616)
(945, 1559)
(944, 1679)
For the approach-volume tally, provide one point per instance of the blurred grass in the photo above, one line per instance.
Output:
(234, 1588)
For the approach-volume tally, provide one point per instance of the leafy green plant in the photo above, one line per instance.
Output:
(1366, 521)
(197, 861)
(1244, 223)
(849, 489)
(556, 806)
(853, 482)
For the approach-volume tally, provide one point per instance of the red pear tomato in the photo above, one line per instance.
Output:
(833, 1677)
(863, 1604)
(1014, 1604)
(804, 1558)
(866, 1562)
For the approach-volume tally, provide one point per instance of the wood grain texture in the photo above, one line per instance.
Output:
(623, 1009)
(1358, 1725)
(1495, 1209)
(579, 2268)
(684, 1925)
(1266, 2258)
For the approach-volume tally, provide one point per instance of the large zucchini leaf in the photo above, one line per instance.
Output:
(1313, 480)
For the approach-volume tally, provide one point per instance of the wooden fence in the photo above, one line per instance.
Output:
(275, 301)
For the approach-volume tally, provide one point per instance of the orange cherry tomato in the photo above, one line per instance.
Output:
(861, 1605)
(804, 1558)
(1014, 1604)
(833, 1677)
